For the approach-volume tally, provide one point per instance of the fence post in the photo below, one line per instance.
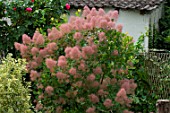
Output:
(163, 106)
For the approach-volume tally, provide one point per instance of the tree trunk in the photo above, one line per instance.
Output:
(163, 106)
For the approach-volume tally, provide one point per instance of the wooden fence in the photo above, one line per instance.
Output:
(157, 66)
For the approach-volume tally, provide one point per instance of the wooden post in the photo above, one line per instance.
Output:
(163, 106)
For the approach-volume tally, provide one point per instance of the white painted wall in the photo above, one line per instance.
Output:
(135, 24)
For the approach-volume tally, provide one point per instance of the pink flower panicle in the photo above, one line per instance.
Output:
(52, 46)
(79, 84)
(49, 90)
(103, 23)
(40, 40)
(101, 92)
(87, 50)
(33, 65)
(34, 75)
(41, 96)
(121, 93)
(34, 51)
(82, 65)
(38, 106)
(122, 98)
(17, 45)
(62, 62)
(101, 12)
(115, 15)
(43, 52)
(26, 39)
(50, 63)
(113, 81)
(54, 34)
(61, 76)
(65, 28)
(40, 86)
(93, 98)
(77, 36)
(119, 27)
(102, 36)
(35, 36)
(128, 85)
(73, 71)
(97, 70)
(95, 84)
(91, 110)
(75, 53)
(88, 26)
(86, 11)
(23, 49)
(111, 25)
(91, 77)
(93, 12)
(108, 103)
(67, 51)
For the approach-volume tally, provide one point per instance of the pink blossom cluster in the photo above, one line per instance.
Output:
(128, 85)
(62, 62)
(49, 90)
(96, 19)
(122, 98)
(34, 75)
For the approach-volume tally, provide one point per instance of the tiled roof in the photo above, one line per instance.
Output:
(124, 4)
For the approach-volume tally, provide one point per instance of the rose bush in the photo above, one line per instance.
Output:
(83, 66)
(28, 15)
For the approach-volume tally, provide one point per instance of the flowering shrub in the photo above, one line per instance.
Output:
(83, 66)
(14, 95)
(28, 15)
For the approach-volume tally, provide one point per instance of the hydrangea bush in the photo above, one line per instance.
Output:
(14, 91)
(83, 66)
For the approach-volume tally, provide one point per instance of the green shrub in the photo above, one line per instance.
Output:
(83, 66)
(26, 16)
(164, 24)
(14, 96)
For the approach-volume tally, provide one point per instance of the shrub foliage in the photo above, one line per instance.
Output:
(14, 96)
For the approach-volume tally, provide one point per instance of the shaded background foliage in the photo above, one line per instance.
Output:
(161, 38)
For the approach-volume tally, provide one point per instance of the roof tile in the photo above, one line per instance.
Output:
(125, 4)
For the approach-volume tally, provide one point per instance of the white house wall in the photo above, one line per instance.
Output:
(135, 24)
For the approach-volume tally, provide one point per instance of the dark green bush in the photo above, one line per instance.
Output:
(164, 34)
(26, 16)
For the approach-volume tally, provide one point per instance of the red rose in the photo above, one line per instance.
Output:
(14, 8)
(32, 0)
(29, 9)
(67, 6)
